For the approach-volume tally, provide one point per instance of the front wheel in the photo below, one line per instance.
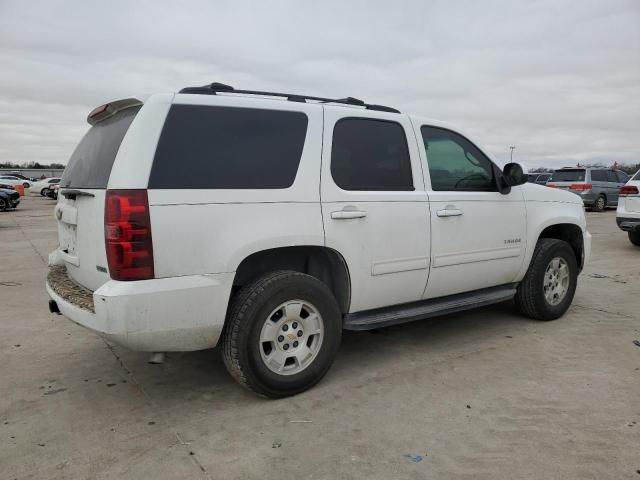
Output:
(634, 237)
(282, 334)
(547, 290)
(44, 192)
(3, 205)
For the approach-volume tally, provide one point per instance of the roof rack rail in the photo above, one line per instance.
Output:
(214, 88)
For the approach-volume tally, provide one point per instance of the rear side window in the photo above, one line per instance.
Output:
(91, 162)
(228, 148)
(622, 177)
(598, 176)
(369, 154)
(568, 175)
(636, 176)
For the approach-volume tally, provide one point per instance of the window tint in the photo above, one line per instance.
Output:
(637, 175)
(54, 180)
(568, 175)
(611, 176)
(622, 177)
(455, 163)
(598, 176)
(226, 147)
(91, 162)
(369, 154)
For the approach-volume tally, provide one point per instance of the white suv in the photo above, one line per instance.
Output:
(271, 222)
(628, 213)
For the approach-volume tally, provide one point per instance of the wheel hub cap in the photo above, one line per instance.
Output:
(291, 337)
(556, 281)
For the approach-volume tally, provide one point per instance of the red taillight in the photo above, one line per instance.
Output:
(629, 190)
(127, 234)
(551, 185)
(581, 186)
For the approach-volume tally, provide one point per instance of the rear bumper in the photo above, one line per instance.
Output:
(166, 314)
(629, 224)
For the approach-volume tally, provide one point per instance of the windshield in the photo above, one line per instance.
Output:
(567, 175)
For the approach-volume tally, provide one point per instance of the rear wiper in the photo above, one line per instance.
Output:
(75, 193)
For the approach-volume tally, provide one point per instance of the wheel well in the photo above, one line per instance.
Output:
(323, 263)
(570, 233)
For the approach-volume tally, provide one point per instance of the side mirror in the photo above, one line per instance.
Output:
(513, 174)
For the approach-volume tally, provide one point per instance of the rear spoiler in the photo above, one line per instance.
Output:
(109, 109)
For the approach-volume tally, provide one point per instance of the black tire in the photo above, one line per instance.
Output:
(530, 298)
(250, 309)
(3, 205)
(634, 237)
(600, 204)
(44, 192)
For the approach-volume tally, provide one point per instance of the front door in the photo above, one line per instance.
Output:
(478, 234)
(374, 205)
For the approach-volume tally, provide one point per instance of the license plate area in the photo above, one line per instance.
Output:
(67, 215)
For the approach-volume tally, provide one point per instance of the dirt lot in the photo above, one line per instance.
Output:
(482, 395)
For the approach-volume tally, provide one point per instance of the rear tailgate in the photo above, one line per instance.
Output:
(566, 177)
(81, 199)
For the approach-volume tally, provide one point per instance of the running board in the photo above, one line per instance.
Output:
(410, 312)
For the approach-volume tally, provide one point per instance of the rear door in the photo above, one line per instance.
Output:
(80, 208)
(374, 205)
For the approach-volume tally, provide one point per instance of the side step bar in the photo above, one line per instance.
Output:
(409, 312)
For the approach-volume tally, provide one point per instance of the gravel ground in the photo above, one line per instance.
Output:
(483, 394)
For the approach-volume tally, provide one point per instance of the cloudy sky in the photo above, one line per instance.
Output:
(560, 79)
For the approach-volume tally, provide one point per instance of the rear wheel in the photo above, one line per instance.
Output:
(547, 290)
(282, 334)
(634, 237)
(600, 204)
(44, 192)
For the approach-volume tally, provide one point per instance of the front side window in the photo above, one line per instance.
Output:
(455, 163)
(368, 154)
(611, 176)
(598, 176)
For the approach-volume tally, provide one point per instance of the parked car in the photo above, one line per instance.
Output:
(19, 175)
(6, 186)
(41, 187)
(539, 178)
(628, 212)
(8, 199)
(13, 180)
(270, 222)
(598, 187)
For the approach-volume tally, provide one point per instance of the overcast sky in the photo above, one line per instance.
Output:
(560, 80)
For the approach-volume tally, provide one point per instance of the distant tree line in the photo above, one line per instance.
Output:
(32, 165)
(630, 169)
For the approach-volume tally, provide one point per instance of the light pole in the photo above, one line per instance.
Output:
(512, 147)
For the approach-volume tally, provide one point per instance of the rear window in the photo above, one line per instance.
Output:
(228, 148)
(567, 176)
(91, 162)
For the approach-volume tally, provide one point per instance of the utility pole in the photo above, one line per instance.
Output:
(512, 147)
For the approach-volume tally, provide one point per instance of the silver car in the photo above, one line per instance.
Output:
(598, 187)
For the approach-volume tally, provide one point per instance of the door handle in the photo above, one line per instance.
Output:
(449, 211)
(346, 214)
